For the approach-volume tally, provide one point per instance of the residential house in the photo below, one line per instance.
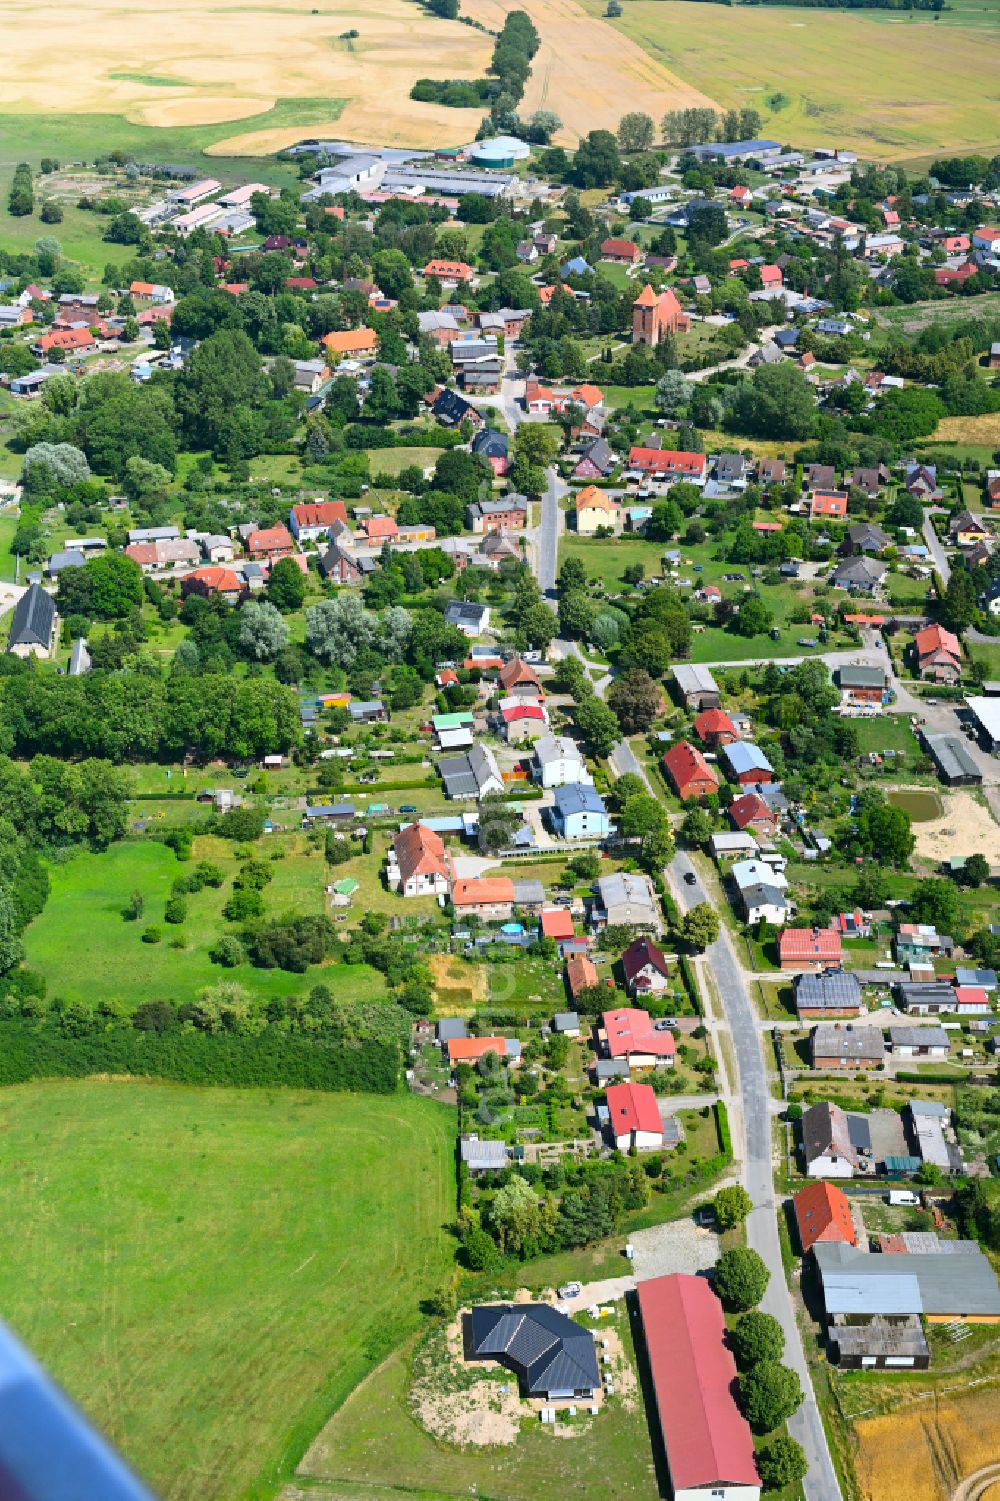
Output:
(828, 503)
(552, 1357)
(697, 687)
(772, 472)
(522, 719)
(597, 461)
(966, 530)
(449, 272)
(69, 340)
(938, 654)
(747, 763)
(581, 974)
(473, 774)
(714, 728)
(863, 686)
(314, 519)
(471, 618)
(762, 893)
(836, 1046)
(809, 948)
(823, 1214)
(451, 409)
(578, 812)
(342, 566)
(627, 1035)
(225, 582)
(835, 1144)
(921, 480)
(471, 1049)
(831, 993)
(622, 252)
(359, 343)
(920, 942)
(655, 315)
(635, 1123)
(490, 899)
(595, 510)
(270, 542)
(645, 968)
(626, 898)
(750, 812)
(510, 514)
(558, 761)
(493, 447)
(34, 626)
(690, 773)
(418, 865)
(819, 477)
(707, 1441)
(664, 465)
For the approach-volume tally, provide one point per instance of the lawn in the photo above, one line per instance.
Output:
(988, 654)
(391, 460)
(90, 891)
(886, 732)
(211, 1272)
(778, 59)
(374, 1443)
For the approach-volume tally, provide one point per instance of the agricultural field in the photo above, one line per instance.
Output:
(588, 72)
(192, 1264)
(925, 1451)
(779, 60)
(229, 65)
(90, 891)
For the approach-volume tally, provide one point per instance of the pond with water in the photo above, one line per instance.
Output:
(921, 804)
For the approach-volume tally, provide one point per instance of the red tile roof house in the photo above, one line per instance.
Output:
(938, 654)
(770, 276)
(635, 1117)
(690, 773)
(491, 899)
(823, 1213)
(810, 948)
(70, 340)
(271, 542)
(206, 581)
(581, 974)
(623, 252)
(418, 864)
(628, 1034)
(471, 1049)
(645, 968)
(520, 680)
(556, 923)
(708, 1443)
(669, 464)
(751, 813)
(714, 727)
(314, 518)
(449, 271)
(828, 503)
(379, 529)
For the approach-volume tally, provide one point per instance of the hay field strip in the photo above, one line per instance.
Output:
(589, 72)
(892, 88)
(234, 61)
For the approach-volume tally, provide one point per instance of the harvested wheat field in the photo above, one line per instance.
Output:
(925, 1452)
(230, 60)
(964, 826)
(830, 75)
(587, 71)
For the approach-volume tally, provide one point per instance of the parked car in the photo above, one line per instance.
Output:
(407, 807)
(570, 1290)
(689, 877)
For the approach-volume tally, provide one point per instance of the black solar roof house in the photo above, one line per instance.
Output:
(551, 1356)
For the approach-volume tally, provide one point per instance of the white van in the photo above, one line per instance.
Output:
(904, 1197)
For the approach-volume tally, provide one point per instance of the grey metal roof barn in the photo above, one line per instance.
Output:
(833, 990)
(952, 759)
(872, 1283)
(550, 1354)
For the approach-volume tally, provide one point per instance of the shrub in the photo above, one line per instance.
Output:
(152, 934)
(175, 910)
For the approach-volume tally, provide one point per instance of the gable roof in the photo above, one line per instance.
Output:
(744, 756)
(581, 974)
(685, 763)
(708, 1441)
(822, 1212)
(630, 1030)
(639, 953)
(934, 638)
(633, 1107)
(591, 498)
(814, 944)
(34, 619)
(744, 810)
(556, 922)
(419, 851)
(474, 891)
(713, 722)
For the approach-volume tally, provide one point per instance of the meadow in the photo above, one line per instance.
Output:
(90, 892)
(834, 78)
(195, 1266)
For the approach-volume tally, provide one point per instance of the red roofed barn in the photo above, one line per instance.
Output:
(708, 1442)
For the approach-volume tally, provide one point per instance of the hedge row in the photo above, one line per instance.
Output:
(722, 1126)
(690, 983)
(29, 1051)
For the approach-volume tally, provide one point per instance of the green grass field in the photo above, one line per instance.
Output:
(211, 1272)
(86, 902)
(373, 1447)
(846, 75)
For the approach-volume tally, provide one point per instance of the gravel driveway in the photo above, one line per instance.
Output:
(679, 1246)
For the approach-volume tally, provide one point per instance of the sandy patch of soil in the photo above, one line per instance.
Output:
(452, 976)
(587, 71)
(964, 828)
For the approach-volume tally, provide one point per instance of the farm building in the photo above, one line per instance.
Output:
(823, 1213)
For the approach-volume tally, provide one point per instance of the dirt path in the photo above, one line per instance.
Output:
(976, 1487)
(588, 72)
